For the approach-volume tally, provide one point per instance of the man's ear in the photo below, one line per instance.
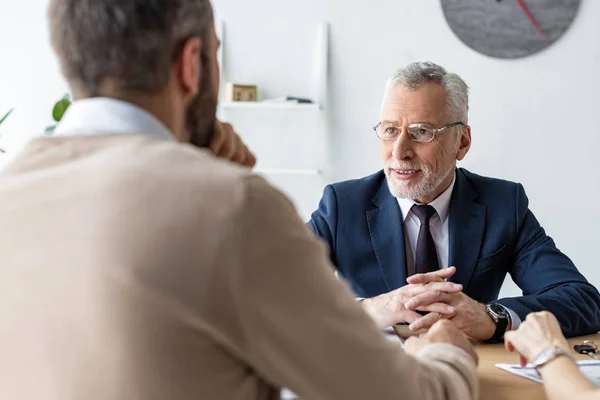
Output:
(465, 143)
(189, 67)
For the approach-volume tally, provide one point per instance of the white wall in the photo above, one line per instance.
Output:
(533, 119)
(521, 111)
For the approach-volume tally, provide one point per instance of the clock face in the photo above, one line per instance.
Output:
(509, 28)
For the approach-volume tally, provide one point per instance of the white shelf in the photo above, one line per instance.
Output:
(269, 105)
(318, 85)
(289, 139)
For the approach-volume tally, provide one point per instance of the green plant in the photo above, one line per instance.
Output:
(6, 116)
(4, 119)
(61, 107)
(58, 111)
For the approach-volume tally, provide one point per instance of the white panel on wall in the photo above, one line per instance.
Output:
(290, 145)
(290, 140)
(282, 139)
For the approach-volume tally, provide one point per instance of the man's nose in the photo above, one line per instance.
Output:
(403, 147)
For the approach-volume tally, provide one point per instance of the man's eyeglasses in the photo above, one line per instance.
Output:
(422, 133)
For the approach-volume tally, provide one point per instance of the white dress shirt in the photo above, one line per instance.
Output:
(102, 116)
(438, 225)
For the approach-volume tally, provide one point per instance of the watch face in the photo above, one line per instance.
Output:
(499, 310)
(509, 28)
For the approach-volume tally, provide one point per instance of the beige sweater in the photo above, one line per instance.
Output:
(142, 269)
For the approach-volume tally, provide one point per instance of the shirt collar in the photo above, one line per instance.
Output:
(103, 116)
(441, 203)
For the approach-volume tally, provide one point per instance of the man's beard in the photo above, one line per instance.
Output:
(423, 188)
(201, 113)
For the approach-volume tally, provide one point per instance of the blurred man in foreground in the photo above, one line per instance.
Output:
(137, 267)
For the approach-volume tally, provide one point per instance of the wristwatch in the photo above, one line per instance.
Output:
(500, 315)
(550, 354)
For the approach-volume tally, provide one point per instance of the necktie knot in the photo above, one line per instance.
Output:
(424, 213)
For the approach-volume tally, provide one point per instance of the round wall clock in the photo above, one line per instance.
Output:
(509, 28)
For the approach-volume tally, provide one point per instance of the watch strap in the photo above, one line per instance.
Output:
(549, 354)
(501, 325)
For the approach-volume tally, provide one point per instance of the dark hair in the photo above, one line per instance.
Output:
(127, 46)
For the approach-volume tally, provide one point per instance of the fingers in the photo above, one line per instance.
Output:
(441, 308)
(508, 336)
(250, 161)
(244, 156)
(427, 298)
(444, 326)
(444, 331)
(412, 341)
(425, 322)
(543, 320)
(229, 144)
(545, 327)
(218, 139)
(526, 342)
(239, 155)
(522, 361)
(226, 143)
(236, 146)
(407, 317)
(446, 287)
(436, 276)
(413, 345)
(386, 311)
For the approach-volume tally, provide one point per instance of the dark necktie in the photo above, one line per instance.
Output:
(426, 259)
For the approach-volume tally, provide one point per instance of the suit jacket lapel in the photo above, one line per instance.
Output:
(387, 237)
(466, 228)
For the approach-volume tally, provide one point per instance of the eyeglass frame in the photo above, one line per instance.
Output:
(434, 130)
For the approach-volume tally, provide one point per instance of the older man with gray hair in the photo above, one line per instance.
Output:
(422, 240)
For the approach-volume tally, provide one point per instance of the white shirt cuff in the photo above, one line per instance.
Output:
(514, 319)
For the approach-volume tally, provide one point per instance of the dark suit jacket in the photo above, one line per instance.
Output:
(492, 232)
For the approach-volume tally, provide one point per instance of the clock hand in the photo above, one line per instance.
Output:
(531, 19)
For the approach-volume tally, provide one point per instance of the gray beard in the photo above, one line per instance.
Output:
(424, 189)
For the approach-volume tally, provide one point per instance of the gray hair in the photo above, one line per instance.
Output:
(415, 75)
(127, 46)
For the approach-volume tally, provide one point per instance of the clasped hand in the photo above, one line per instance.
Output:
(431, 293)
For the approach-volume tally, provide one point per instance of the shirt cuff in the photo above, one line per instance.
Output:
(515, 321)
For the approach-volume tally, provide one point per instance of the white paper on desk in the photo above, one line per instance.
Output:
(591, 369)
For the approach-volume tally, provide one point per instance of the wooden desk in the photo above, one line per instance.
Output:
(497, 384)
